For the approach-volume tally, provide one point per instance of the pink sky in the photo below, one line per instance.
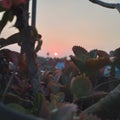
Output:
(65, 23)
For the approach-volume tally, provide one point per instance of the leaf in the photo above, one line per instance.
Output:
(96, 95)
(78, 50)
(102, 53)
(39, 44)
(7, 16)
(12, 56)
(97, 63)
(81, 56)
(38, 103)
(1, 8)
(37, 37)
(60, 97)
(116, 60)
(15, 38)
(41, 106)
(66, 112)
(81, 53)
(79, 63)
(8, 114)
(17, 107)
(56, 101)
(88, 117)
(116, 52)
(81, 86)
(54, 87)
(93, 53)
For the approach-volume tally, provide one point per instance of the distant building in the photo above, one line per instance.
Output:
(60, 65)
(107, 71)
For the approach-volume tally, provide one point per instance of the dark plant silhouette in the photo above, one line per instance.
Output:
(34, 86)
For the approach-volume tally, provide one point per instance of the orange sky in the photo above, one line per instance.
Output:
(65, 23)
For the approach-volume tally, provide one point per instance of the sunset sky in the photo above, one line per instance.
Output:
(65, 23)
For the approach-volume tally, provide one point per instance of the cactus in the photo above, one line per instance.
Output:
(81, 86)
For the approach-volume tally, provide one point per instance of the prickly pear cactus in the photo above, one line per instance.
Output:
(81, 86)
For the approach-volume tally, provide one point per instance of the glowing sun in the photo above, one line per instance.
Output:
(55, 54)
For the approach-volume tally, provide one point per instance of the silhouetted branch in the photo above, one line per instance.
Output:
(27, 46)
(107, 5)
(107, 107)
